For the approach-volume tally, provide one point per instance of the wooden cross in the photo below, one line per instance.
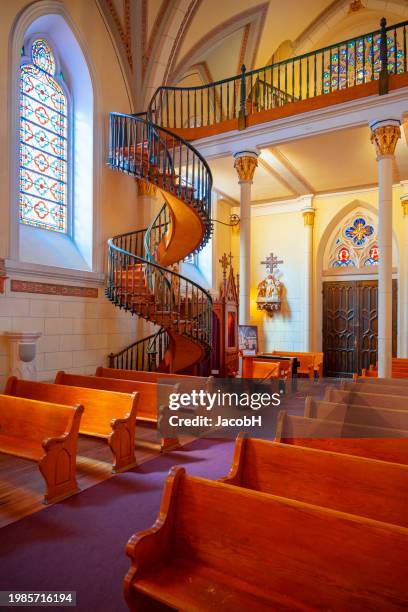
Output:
(271, 262)
(224, 262)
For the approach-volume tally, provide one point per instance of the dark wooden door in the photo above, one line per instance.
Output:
(350, 326)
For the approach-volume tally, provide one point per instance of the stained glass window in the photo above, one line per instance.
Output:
(359, 62)
(355, 243)
(43, 143)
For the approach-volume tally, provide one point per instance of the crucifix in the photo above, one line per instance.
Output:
(225, 261)
(271, 263)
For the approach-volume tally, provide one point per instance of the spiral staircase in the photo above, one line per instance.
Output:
(142, 274)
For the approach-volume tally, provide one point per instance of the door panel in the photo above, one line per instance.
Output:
(350, 326)
(367, 324)
(339, 306)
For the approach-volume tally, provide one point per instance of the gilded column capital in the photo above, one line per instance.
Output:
(404, 204)
(245, 164)
(385, 135)
(309, 216)
(146, 189)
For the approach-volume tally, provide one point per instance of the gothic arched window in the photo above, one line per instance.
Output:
(355, 243)
(44, 142)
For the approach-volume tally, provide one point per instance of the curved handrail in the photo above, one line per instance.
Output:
(144, 354)
(303, 76)
(136, 280)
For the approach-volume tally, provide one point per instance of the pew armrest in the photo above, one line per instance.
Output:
(122, 438)
(234, 476)
(151, 546)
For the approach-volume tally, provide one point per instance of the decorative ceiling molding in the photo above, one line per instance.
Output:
(124, 30)
(148, 45)
(188, 17)
(254, 17)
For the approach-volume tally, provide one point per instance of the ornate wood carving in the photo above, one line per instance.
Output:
(385, 138)
(225, 309)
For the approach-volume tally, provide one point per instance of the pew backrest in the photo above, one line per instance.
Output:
(100, 407)
(373, 442)
(371, 416)
(153, 377)
(374, 385)
(362, 486)
(27, 419)
(363, 398)
(151, 395)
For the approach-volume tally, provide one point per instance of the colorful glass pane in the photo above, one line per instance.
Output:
(359, 231)
(42, 55)
(359, 62)
(373, 256)
(343, 259)
(43, 143)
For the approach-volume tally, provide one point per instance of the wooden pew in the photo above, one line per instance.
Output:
(152, 397)
(46, 434)
(371, 416)
(311, 363)
(382, 444)
(107, 414)
(357, 485)
(380, 400)
(218, 547)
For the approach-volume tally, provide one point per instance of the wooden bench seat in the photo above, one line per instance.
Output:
(371, 416)
(383, 444)
(379, 400)
(311, 363)
(44, 433)
(152, 396)
(107, 414)
(220, 547)
(366, 487)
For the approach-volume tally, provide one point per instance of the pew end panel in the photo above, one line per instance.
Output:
(122, 439)
(58, 466)
(150, 546)
(234, 476)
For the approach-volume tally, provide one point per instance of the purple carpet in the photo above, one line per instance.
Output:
(79, 543)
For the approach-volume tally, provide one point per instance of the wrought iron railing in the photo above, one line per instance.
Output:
(145, 354)
(366, 58)
(136, 281)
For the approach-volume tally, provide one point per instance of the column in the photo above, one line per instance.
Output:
(308, 213)
(245, 164)
(22, 354)
(147, 201)
(403, 274)
(384, 135)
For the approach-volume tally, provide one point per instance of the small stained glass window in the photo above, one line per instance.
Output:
(43, 143)
(355, 243)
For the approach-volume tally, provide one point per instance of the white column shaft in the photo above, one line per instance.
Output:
(245, 254)
(385, 266)
(308, 286)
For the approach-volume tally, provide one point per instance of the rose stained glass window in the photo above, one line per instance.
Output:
(43, 143)
(359, 62)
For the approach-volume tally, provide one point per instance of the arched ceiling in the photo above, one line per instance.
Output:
(196, 41)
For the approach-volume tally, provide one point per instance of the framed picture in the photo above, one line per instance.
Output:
(248, 339)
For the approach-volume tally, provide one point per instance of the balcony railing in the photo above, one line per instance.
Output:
(366, 58)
